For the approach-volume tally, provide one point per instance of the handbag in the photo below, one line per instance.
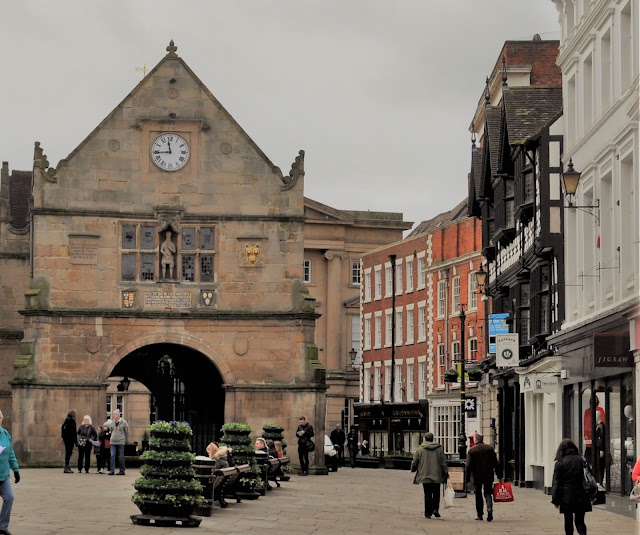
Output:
(310, 446)
(82, 441)
(502, 492)
(635, 492)
(588, 481)
(449, 496)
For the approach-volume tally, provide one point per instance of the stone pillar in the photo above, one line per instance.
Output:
(334, 309)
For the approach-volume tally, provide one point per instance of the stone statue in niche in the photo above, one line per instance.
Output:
(168, 250)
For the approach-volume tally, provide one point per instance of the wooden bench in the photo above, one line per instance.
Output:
(227, 486)
(276, 474)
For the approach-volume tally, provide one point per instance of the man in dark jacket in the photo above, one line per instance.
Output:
(304, 434)
(430, 465)
(337, 439)
(482, 461)
(69, 434)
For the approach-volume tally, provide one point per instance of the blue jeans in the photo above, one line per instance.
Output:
(7, 503)
(120, 449)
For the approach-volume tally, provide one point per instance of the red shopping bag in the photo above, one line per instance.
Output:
(502, 492)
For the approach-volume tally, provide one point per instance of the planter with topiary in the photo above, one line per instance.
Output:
(167, 491)
(475, 374)
(451, 376)
(236, 436)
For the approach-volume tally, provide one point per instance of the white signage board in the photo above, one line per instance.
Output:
(507, 350)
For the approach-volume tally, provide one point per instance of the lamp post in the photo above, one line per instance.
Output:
(462, 442)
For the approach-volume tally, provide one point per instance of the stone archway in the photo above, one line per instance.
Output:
(184, 385)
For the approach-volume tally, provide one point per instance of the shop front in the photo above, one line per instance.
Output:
(392, 429)
(599, 410)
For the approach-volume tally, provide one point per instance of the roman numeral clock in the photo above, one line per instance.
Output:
(170, 152)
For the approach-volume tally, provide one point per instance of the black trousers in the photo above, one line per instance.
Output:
(84, 456)
(579, 521)
(352, 457)
(68, 450)
(431, 498)
(303, 455)
(484, 489)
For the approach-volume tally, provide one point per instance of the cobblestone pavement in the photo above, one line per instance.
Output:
(352, 502)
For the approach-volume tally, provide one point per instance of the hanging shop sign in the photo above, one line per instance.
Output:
(611, 350)
(497, 325)
(507, 350)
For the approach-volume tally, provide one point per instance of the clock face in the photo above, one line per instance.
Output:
(170, 152)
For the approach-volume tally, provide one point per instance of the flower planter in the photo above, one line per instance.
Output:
(397, 463)
(367, 463)
(165, 509)
(450, 379)
(166, 488)
(475, 377)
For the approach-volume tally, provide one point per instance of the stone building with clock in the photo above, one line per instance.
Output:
(169, 251)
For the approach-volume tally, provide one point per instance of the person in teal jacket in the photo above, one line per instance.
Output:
(7, 461)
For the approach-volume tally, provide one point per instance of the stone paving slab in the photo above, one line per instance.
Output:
(356, 501)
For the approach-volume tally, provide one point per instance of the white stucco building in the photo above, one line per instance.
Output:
(599, 60)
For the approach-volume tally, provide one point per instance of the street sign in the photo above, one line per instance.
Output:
(497, 325)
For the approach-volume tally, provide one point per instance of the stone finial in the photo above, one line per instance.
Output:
(504, 71)
(171, 49)
(487, 94)
(297, 171)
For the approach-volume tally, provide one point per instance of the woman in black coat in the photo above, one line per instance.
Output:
(567, 492)
(68, 432)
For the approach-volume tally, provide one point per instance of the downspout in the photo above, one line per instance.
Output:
(392, 258)
(31, 237)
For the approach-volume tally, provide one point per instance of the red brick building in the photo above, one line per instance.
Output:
(412, 294)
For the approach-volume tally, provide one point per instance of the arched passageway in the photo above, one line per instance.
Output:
(184, 384)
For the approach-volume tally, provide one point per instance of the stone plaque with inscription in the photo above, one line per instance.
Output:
(83, 249)
(167, 300)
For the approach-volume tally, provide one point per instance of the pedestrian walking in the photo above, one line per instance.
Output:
(352, 445)
(8, 462)
(567, 491)
(430, 465)
(482, 462)
(69, 434)
(304, 434)
(337, 439)
(119, 429)
(86, 433)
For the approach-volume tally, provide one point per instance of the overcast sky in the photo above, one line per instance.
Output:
(380, 94)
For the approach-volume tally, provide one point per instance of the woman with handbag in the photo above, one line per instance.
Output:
(86, 433)
(567, 492)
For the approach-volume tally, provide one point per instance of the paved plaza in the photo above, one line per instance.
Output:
(356, 501)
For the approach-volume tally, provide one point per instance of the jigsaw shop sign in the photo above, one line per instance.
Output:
(611, 350)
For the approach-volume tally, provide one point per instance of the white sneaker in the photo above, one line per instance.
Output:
(99, 472)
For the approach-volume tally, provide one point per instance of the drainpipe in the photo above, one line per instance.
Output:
(392, 258)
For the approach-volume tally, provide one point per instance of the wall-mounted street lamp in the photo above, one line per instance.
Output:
(123, 386)
(354, 360)
(570, 180)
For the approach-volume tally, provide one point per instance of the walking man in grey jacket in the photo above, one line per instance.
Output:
(430, 465)
(119, 434)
